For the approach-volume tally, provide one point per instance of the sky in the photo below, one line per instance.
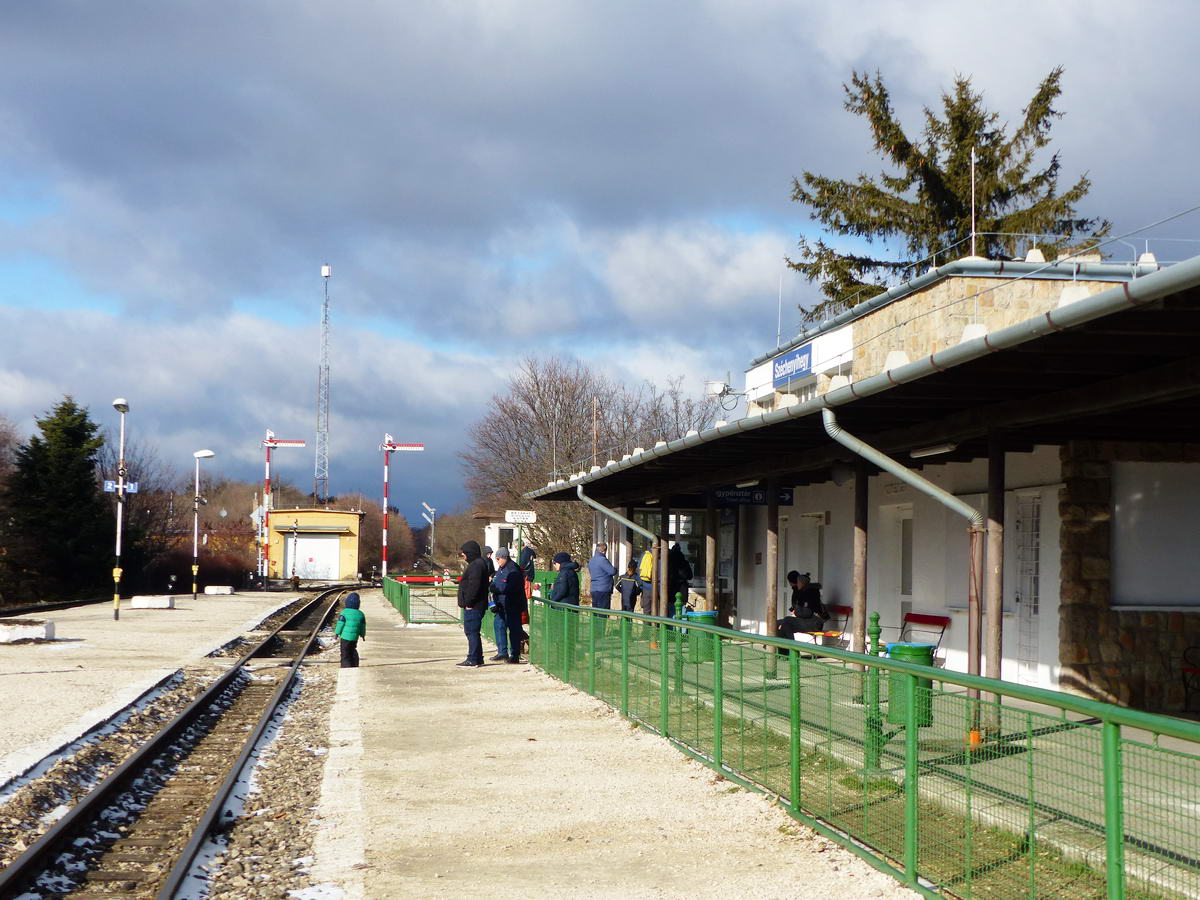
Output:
(489, 180)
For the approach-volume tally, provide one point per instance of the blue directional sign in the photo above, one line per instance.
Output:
(110, 487)
(131, 487)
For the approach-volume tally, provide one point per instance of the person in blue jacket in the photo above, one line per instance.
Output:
(602, 573)
(508, 588)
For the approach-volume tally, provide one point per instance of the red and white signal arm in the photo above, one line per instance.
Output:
(397, 448)
(520, 516)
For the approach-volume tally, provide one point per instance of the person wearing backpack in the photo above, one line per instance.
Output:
(350, 628)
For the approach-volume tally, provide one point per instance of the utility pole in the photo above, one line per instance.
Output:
(321, 471)
(270, 441)
(389, 446)
(430, 516)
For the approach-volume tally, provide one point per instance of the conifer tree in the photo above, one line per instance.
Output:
(58, 532)
(924, 202)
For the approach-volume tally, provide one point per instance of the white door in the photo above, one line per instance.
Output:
(314, 557)
(1029, 527)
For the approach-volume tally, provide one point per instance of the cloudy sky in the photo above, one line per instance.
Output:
(487, 179)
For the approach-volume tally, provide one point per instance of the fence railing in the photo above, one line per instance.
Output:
(432, 599)
(975, 787)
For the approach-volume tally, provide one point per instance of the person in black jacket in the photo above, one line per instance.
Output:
(679, 576)
(472, 600)
(807, 611)
(566, 585)
(508, 587)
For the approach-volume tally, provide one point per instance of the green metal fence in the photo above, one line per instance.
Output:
(955, 784)
(424, 600)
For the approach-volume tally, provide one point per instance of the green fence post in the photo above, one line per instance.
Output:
(663, 695)
(625, 626)
(590, 624)
(910, 779)
(794, 738)
(873, 744)
(678, 641)
(718, 700)
(1114, 811)
(565, 612)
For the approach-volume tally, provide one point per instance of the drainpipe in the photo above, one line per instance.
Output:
(617, 517)
(948, 500)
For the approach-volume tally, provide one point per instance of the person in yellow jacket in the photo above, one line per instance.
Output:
(645, 575)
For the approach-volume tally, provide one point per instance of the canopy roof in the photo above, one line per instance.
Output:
(1119, 365)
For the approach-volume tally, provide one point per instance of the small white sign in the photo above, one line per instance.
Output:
(520, 516)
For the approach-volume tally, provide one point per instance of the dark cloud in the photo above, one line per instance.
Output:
(483, 177)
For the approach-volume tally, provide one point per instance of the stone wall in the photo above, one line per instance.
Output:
(933, 319)
(1122, 656)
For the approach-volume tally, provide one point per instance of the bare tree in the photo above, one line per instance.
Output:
(557, 418)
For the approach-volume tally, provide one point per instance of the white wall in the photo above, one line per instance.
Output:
(940, 553)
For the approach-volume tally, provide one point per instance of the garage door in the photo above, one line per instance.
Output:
(316, 556)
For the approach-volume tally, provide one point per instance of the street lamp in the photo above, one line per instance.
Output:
(121, 405)
(199, 455)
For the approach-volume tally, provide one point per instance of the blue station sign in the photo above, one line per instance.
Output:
(752, 496)
(793, 364)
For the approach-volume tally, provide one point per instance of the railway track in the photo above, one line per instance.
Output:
(138, 832)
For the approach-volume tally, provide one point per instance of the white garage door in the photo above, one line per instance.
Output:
(316, 556)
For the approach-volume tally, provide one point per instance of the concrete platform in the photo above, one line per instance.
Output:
(447, 782)
(58, 690)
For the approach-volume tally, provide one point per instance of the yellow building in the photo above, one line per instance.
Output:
(315, 544)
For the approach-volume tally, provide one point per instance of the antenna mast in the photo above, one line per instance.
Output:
(321, 472)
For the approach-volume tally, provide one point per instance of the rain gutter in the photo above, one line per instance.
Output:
(1127, 295)
(615, 516)
(861, 448)
(1090, 271)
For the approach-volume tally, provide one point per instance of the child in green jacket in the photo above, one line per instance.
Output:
(351, 625)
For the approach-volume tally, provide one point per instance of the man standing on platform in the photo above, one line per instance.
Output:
(601, 572)
(472, 600)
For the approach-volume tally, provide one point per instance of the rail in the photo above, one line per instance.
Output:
(33, 859)
(1057, 794)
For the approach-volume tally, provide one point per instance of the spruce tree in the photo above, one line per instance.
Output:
(924, 203)
(58, 529)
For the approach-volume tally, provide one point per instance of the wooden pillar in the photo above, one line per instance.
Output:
(770, 599)
(995, 558)
(858, 639)
(664, 546)
(710, 551)
(628, 540)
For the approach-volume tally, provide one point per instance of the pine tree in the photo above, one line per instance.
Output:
(58, 531)
(926, 206)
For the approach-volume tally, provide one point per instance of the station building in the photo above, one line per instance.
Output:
(1006, 453)
(315, 544)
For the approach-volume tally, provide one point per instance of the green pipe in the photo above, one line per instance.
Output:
(718, 701)
(591, 621)
(1114, 811)
(873, 740)
(663, 697)
(566, 649)
(625, 626)
(911, 761)
(794, 737)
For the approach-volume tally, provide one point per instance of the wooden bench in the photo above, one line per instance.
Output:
(924, 628)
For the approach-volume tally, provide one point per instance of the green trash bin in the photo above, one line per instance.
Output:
(700, 642)
(922, 655)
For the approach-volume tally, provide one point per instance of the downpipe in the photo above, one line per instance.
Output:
(976, 531)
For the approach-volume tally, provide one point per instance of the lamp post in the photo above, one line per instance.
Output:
(199, 455)
(121, 405)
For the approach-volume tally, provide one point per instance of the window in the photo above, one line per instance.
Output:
(506, 538)
(906, 556)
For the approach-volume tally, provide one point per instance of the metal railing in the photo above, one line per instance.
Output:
(973, 788)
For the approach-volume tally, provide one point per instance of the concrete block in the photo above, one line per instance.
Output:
(25, 629)
(219, 589)
(154, 601)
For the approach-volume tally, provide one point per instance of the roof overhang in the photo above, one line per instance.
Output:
(1122, 364)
